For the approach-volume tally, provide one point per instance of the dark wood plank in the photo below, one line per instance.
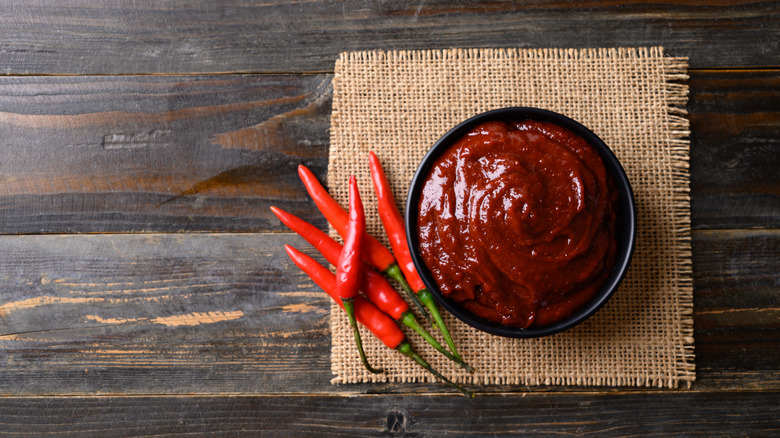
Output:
(228, 314)
(153, 153)
(735, 148)
(157, 334)
(82, 37)
(211, 153)
(737, 308)
(690, 414)
(159, 314)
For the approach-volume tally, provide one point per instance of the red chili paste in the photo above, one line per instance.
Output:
(516, 222)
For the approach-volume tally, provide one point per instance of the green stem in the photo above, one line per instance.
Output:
(349, 307)
(427, 297)
(408, 319)
(406, 349)
(394, 271)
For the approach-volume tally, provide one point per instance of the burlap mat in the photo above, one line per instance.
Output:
(399, 103)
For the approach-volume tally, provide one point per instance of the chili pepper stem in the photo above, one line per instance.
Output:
(394, 271)
(406, 349)
(349, 307)
(427, 297)
(408, 319)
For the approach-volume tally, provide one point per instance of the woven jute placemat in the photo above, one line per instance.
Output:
(399, 103)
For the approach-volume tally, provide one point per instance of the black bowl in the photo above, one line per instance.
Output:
(625, 224)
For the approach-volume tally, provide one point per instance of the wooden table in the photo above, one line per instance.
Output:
(143, 286)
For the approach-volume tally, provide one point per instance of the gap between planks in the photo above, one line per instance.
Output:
(757, 69)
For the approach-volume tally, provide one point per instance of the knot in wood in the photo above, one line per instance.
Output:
(396, 422)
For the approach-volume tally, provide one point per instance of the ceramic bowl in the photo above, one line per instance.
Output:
(625, 224)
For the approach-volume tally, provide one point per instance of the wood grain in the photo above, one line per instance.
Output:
(159, 314)
(82, 37)
(658, 414)
(736, 307)
(735, 148)
(190, 321)
(172, 153)
(211, 153)
(229, 314)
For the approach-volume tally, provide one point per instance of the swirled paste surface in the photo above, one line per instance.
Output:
(516, 222)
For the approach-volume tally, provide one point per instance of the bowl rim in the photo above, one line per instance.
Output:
(625, 227)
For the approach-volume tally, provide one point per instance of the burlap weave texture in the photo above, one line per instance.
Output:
(399, 103)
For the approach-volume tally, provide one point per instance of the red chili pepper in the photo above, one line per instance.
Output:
(377, 322)
(386, 329)
(396, 232)
(376, 254)
(374, 286)
(349, 268)
(393, 223)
